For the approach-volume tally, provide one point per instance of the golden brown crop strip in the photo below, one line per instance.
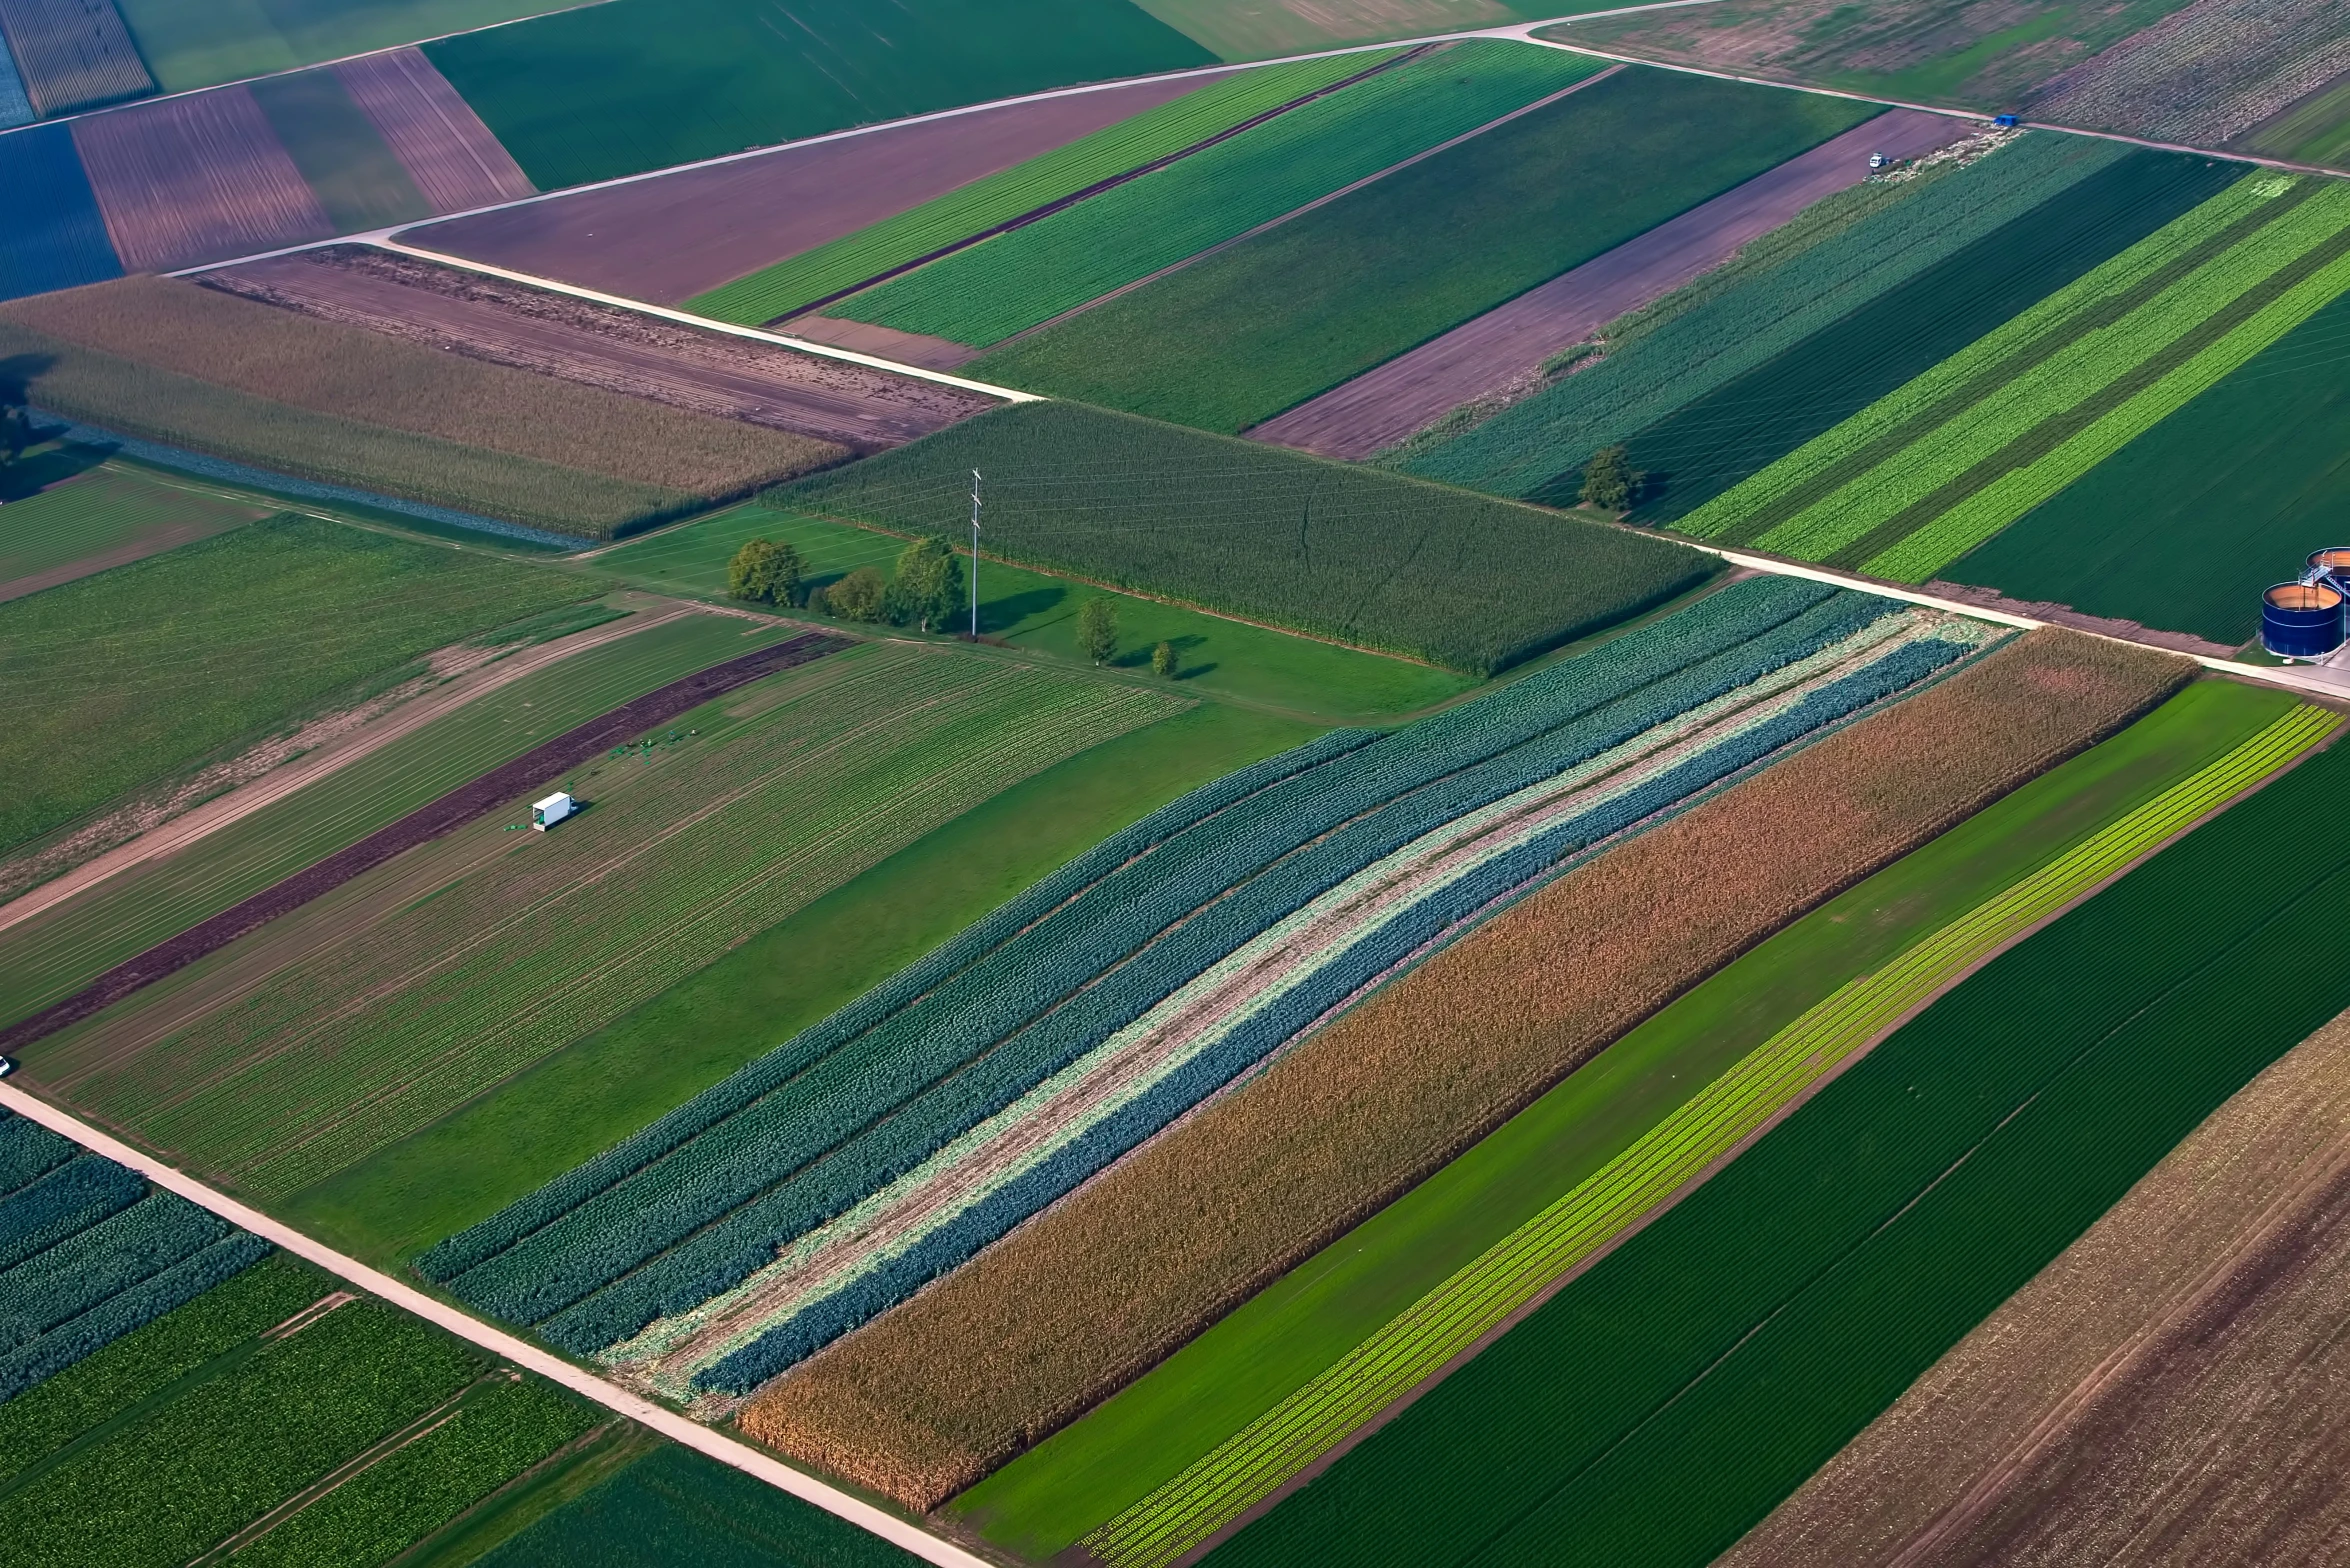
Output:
(2172, 1389)
(932, 1396)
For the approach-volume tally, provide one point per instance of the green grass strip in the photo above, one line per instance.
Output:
(1482, 1295)
(2048, 320)
(795, 282)
(1925, 552)
(2062, 381)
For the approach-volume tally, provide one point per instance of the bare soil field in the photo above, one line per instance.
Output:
(907, 348)
(928, 1398)
(2173, 1389)
(454, 159)
(195, 179)
(669, 237)
(600, 346)
(436, 820)
(1389, 404)
(2065, 615)
(73, 54)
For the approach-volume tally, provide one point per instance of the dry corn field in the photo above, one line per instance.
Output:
(931, 1397)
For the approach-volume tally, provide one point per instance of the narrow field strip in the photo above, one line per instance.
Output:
(1029, 190)
(1450, 1320)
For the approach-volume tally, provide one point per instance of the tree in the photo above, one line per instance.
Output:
(928, 589)
(1610, 481)
(1097, 629)
(765, 571)
(1163, 661)
(16, 432)
(858, 596)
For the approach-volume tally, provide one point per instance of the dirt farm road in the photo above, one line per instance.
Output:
(691, 1434)
(279, 782)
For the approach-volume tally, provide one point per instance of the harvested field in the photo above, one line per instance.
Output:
(2168, 1390)
(601, 346)
(454, 160)
(196, 179)
(452, 811)
(1483, 356)
(2315, 130)
(673, 236)
(101, 520)
(349, 166)
(2204, 75)
(73, 54)
(1094, 1292)
(57, 238)
(1239, 30)
(408, 993)
(1362, 556)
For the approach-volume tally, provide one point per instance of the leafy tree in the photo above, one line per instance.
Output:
(1097, 628)
(859, 596)
(1610, 481)
(1163, 661)
(765, 571)
(16, 433)
(928, 588)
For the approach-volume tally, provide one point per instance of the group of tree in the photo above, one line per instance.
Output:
(16, 426)
(1610, 482)
(926, 589)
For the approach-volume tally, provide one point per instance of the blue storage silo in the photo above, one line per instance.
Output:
(2301, 620)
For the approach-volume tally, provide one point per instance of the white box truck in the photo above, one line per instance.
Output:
(546, 813)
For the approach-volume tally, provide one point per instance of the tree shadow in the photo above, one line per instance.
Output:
(37, 471)
(997, 615)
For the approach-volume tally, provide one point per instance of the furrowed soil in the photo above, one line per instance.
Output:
(1093, 1293)
(2169, 1390)
(601, 346)
(196, 179)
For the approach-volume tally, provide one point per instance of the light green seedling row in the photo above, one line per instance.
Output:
(1485, 1293)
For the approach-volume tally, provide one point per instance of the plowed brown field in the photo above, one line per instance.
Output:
(930, 1397)
(195, 179)
(453, 158)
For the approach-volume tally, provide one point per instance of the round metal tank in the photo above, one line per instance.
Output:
(2301, 620)
(2333, 565)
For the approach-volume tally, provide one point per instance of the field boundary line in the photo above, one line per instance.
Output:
(703, 1440)
(1272, 223)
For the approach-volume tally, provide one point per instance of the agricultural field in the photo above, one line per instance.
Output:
(202, 43)
(969, 211)
(1106, 1286)
(184, 180)
(2204, 1301)
(480, 953)
(1917, 51)
(1037, 612)
(1020, 280)
(1015, 1062)
(2315, 130)
(95, 520)
(1945, 462)
(278, 618)
(1328, 550)
(2203, 76)
(616, 89)
(1238, 30)
(175, 362)
(1240, 336)
(338, 151)
(72, 54)
(1697, 1374)
(57, 237)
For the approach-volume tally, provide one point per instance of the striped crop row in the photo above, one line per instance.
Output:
(1485, 1293)
(1255, 999)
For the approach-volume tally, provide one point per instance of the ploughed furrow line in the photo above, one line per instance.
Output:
(426, 823)
(1062, 203)
(1451, 1319)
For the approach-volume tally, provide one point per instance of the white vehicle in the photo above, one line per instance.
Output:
(7, 1065)
(546, 813)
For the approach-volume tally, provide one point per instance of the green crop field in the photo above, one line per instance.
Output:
(673, 1507)
(1383, 562)
(589, 1096)
(483, 953)
(1239, 30)
(199, 43)
(1945, 462)
(65, 949)
(2185, 526)
(1246, 1365)
(97, 520)
(1240, 336)
(152, 668)
(1686, 1383)
(616, 89)
(1828, 327)
(1016, 281)
(2316, 130)
(1037, 612)
(339, 151)
(794, 282)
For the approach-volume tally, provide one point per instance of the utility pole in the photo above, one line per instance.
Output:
(974, 555)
